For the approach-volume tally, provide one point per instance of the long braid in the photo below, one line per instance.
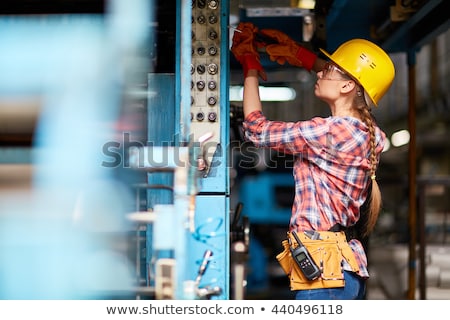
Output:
(375, 202)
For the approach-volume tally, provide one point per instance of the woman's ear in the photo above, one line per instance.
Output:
(348, 86)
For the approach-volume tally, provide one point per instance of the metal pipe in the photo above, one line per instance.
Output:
(422, 241)
(412, 155)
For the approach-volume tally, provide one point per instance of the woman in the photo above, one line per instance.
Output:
(336, 157)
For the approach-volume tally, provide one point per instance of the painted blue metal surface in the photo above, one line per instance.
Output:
(17, 155)
(259, 194)
(182, 70)
(211, 233)
(348, 19)
(212, 203)
(160, 131)
(211, 211)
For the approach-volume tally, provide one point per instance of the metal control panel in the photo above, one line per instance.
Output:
(206, 73)
(203, 64)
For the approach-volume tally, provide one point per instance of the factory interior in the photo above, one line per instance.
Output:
(124, 173)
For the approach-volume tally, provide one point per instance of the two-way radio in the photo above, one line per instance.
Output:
(304, 260)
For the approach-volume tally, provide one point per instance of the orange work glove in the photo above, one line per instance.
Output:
(244, 49)
(288, 50)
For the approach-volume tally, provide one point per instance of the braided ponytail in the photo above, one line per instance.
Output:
(374, 202)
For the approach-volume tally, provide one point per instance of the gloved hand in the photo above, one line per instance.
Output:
(288, 50)
(244, 49)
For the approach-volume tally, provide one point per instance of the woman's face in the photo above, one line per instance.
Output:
(329, 82)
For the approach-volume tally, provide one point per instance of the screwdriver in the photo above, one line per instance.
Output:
(201, 271)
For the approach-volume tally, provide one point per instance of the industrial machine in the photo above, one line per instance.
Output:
(187, 112)
(136, 189)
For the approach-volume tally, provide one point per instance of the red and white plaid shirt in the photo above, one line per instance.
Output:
(331, 169)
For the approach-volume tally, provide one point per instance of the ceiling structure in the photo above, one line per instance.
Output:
(395, 25)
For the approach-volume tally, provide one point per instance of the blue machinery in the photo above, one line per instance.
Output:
(79, 69)
(187, 248)
(200, 133)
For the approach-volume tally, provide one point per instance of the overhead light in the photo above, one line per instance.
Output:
(400, 138)
(265, 93)
(306, 4)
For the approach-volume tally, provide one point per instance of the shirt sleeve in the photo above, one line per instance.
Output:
(289, 137)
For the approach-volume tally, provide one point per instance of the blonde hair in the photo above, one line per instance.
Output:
(362, 104)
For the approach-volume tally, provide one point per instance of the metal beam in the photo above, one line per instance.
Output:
(424, 25)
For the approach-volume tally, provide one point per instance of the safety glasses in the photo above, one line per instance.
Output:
(331, 72)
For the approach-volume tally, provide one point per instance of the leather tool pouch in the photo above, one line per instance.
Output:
(328, 253)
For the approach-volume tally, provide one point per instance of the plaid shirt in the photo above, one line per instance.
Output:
(331, 169)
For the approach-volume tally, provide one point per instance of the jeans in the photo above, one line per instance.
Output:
(354, 289)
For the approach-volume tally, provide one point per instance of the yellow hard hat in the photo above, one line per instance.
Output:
(367, 63)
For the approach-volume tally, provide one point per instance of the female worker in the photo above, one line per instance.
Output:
(335, 157)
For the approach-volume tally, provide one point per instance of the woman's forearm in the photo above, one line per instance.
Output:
(251, 100)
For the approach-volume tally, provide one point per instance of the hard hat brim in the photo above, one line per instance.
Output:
(331, 58)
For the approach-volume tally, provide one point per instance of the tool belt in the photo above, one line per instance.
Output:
(328, 252)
